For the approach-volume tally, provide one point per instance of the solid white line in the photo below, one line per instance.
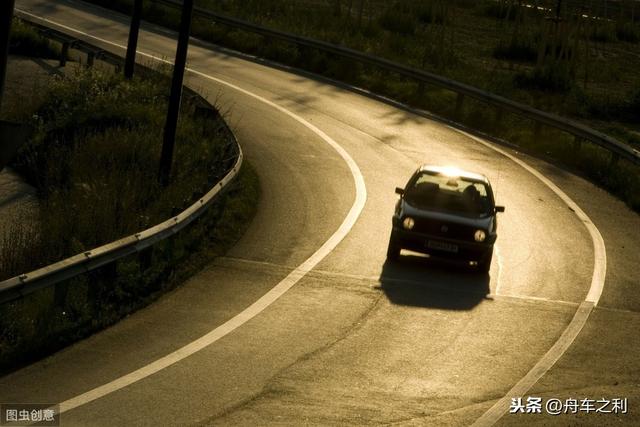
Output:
(267, 299)
(491, 416)
(499, 258)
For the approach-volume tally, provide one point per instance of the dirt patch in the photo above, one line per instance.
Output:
(25, 88)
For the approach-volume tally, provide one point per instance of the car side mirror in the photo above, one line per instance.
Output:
(499, 208)
(399, 191)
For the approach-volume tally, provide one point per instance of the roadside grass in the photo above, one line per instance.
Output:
(93, 159)
(42, 322)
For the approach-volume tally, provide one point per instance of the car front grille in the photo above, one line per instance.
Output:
(446, 230)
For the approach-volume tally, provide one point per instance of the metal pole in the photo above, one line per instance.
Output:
(558, 9)
(169, 139)
(6, 15)
(130, 61)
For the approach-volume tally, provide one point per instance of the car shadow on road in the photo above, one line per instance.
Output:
(422, 282)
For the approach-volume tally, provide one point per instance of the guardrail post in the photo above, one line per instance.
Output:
(91, 57)
(94, 289)
(229, 158)
(6, 16)
(266, 42)
(537, 130)
(459, 101)
(96, 279)
(497, 120)
(144, 258)
(305, 56)
(64, 53)
(60, 292)
(110, 271)
(613, 161)
(576, 145)
(420, 93)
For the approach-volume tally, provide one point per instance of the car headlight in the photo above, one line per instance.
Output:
(408, 223)
(480, 236)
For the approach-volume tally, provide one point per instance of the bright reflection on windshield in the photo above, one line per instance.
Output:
(449, 193)
(450, 171)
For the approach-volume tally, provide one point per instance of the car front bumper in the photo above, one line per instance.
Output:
(441, 247)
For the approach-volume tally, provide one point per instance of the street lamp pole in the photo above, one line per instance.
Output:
(6, 15)
(132, 45)
(558, 9)
(171, 124)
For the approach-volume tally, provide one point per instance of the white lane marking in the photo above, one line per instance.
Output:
(496, 248)
(267, 299)
(491, 416)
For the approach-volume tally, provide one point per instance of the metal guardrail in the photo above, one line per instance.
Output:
(19, 286)
(580, 131)
(69, 42)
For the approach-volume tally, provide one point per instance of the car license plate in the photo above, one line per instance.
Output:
(442, 246)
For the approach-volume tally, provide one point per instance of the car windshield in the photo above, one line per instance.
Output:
(435, 191)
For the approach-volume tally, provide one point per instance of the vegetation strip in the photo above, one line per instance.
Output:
(50, 318)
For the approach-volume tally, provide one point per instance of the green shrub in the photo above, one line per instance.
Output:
(516, 50)
(427, 13)
(604, 108)
(628, 32)
(555, 78)
(397, 20)
(603, 34)
(397, 44)
(607, 107)
(498, 10)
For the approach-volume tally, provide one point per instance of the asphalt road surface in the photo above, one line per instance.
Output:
(303, 322)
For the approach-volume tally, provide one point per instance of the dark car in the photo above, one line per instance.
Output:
(446, 213)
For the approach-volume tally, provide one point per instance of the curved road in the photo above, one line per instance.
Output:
(353, 340)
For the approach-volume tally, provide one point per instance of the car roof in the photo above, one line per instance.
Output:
(453, 171)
